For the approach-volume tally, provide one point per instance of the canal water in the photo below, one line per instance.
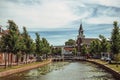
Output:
(63, 71)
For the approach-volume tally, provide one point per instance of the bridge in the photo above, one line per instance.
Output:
(71, 58)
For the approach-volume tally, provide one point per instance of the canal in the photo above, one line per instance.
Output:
(63, 71)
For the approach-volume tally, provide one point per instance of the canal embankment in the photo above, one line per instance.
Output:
(24, 68)
(78, 70)
(107, 67)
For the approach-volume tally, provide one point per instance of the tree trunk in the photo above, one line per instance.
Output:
(8, 60)
(11, 57)
(46, 56)
(26, 58)
(17, 59)
(5, 60)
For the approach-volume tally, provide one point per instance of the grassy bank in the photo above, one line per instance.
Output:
(112, 66)
(20, 68)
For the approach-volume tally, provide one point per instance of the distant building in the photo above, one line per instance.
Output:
(82, 40)
(67, 50)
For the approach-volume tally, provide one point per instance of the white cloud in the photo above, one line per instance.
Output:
(113, 3)
(61, 14)
(102, 20)
(49, 14)
(52, 13)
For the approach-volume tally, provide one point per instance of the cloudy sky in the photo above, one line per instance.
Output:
(96, 15)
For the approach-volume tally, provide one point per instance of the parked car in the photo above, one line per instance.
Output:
(106, 58)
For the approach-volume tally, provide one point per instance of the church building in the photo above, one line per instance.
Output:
(82, 40)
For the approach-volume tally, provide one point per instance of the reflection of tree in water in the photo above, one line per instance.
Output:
(46, 69)
(50, 67)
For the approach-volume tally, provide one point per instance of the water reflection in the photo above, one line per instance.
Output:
(46, 69)
(63, 71)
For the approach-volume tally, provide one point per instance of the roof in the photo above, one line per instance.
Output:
(88, 40)
(2, 31)
(5, 31)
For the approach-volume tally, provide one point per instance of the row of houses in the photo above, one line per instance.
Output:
(9, 57)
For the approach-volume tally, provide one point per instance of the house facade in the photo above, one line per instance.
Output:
(67, 50)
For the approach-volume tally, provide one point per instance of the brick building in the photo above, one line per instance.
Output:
(82, 40)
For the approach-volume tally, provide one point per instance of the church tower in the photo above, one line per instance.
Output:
(80, 32)
(80, 38)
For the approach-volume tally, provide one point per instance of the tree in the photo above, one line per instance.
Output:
(45, 51)
(27, 42)
(95, 48)
(115, 41)
(38, 44)
(74, 51)
(56, 51)
(45, 47)
(13, 37)
(14, 42)
(84, 50)
(4, 47)
(105, 45)
(10, 40)
(70, 42)
(33, 48)
(115, 38)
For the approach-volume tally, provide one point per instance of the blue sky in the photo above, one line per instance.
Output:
(96, 16)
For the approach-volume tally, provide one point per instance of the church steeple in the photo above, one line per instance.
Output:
(80, 38)
(80, 29)
(81, 35)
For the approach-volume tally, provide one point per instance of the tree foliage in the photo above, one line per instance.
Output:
(70, 42)
(56, 51)
(74, 51)
(115, 38)
(13, 37)
(95, 47)
(14, 42)
(84, 50)
(105, 44)
(38, 44)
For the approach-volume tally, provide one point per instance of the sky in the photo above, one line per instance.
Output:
(97, 16)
